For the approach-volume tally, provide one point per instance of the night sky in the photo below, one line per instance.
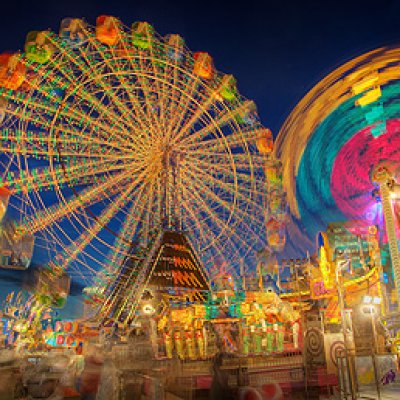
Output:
(277, 49)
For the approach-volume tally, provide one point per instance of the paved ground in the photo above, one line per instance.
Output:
(387, 393)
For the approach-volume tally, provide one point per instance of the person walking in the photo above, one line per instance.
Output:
(219, 386)
(90, 377)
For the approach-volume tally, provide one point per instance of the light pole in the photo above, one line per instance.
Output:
(390, 190)
(370, 303)
(340, 266)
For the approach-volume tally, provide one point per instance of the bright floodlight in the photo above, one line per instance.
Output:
(367, 299)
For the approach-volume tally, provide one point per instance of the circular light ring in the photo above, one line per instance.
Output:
(338, 159)
(327, 118)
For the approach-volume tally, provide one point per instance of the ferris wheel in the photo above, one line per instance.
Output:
(109, 132)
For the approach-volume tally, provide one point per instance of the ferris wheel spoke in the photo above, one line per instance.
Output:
(38, 120)
(55, 239)
(199, 228)
(240, 177)
(202, 107)
(239, 214)
(80, 91)
(91, 232)
(165, 95)
(142, 80)
(243, 160)
(109, 58)
(87, 237)
(241, 190)
(145, 86)
(149, 211)
(193, 221)
(222, 163)
(151, 85)
(61, 246)
(144, 122)
(108, 121)
(126, 85)
(182, 106)
(141, 125)
(100, 81)
(115, 142)
(123, 246)
(47, 177)
(172, 74)
(239, 218)
(220, 143)
(221, 239)
(128, 230)
(79, 139)
(49, 98)
(79, 221)
(44, 82)
(86, 197)
(95, 125)
(217, 123)
(24, 101)
(165, 81)
(84, 67)
(50, 111)
(194, 198)
(42, 73)
(211, 197)
(216, 249)
(69, 138)
(116, 113)
(52, 152)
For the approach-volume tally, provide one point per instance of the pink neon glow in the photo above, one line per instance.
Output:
(351, 183)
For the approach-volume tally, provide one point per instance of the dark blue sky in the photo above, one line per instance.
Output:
(277, 49)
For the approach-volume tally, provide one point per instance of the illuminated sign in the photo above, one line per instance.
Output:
(176, 264)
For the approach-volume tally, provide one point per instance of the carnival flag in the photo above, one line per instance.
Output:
(18, 297)
(10, 297)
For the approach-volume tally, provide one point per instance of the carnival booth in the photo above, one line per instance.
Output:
(256, 323)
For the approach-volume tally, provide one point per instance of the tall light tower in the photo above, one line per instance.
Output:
(390, 190)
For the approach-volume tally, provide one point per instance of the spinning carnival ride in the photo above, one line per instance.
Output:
(108, 133)
(340, 149)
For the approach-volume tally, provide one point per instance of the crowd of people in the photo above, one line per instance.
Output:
(54, 375)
